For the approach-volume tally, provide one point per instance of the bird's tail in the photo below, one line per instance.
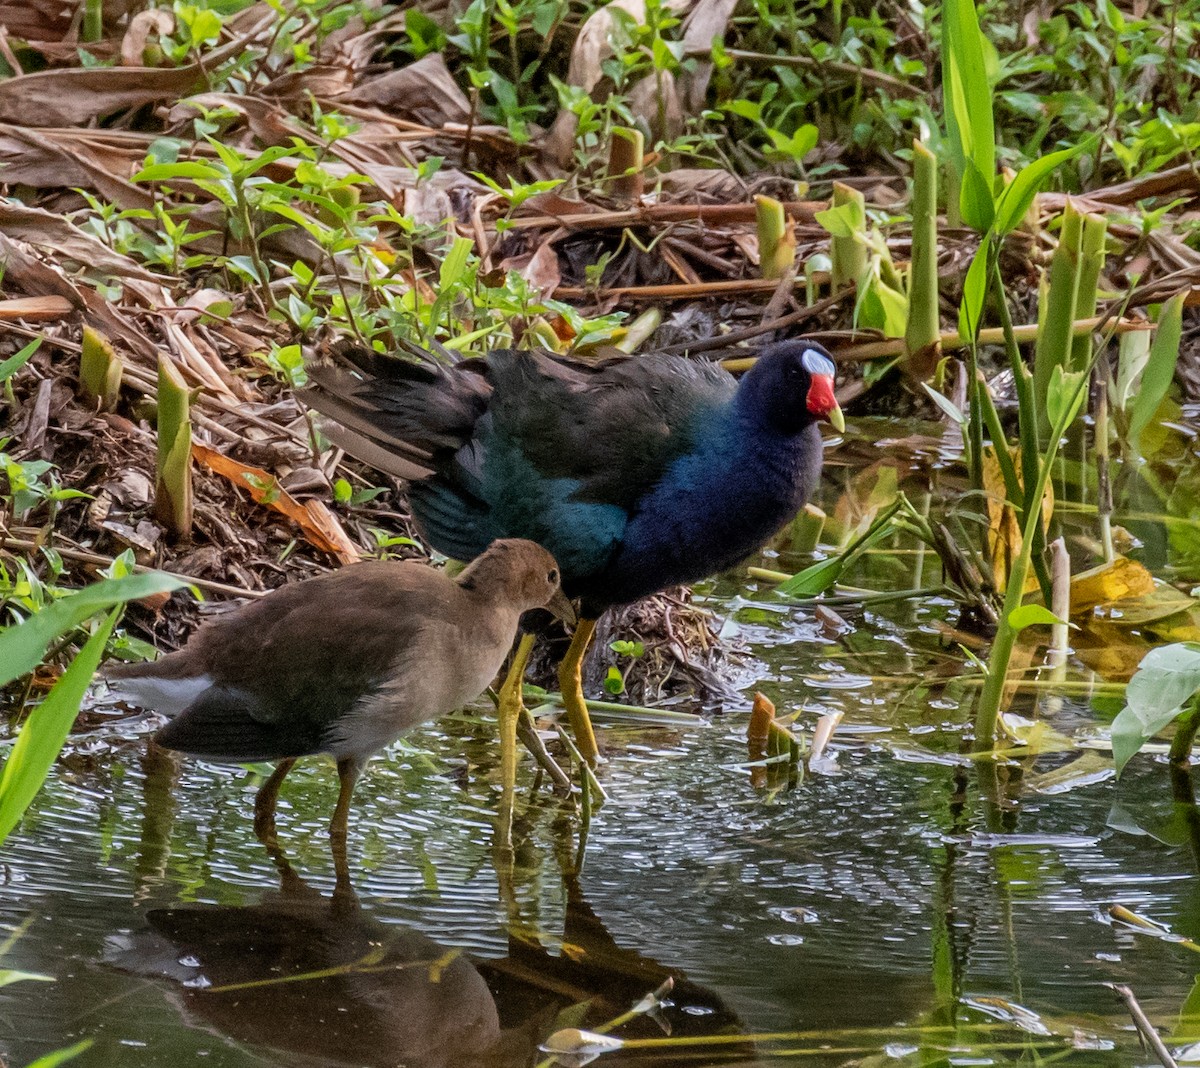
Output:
(404, 417)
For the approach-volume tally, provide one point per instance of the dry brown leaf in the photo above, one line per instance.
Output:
(541, 270)
(1109, 582)
(318, 525)
(38, 20)
(79, 95)
(592, 47)
(706, 22)
(87, 159)
(36, 309)
(55, 234)
(141, 26)
(37, 279)
(424, 91)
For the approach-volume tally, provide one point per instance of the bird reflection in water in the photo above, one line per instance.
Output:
(323, 981)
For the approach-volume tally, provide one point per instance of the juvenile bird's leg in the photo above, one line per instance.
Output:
(268, 794)
(348, 772)
(570, 684)
(509, 712)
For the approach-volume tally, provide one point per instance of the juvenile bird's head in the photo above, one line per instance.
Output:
(521, 572)
(791, 386)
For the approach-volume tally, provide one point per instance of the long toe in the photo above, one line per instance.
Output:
(570, 682)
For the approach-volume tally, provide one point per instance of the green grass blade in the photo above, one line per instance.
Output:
(968, 106)
(46, 729)
(15, 362)
(22, 647)
(61, 1056)
(1160, 367)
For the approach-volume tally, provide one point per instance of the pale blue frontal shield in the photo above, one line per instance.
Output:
(817, 363)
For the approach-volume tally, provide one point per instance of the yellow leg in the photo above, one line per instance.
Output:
(348, 772)
(570, 683)
(268, 794)
(509, 713)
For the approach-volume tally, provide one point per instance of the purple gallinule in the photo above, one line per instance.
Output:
(342, 664)
(637, 474)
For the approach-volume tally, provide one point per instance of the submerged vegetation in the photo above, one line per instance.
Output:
(986, 213)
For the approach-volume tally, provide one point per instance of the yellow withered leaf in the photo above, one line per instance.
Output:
(1162, 602)
(1004, 529)
(1113, 581)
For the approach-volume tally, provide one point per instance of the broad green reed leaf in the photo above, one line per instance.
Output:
(970, 310)
(968, 103)
(821, 576)
(1014, 202)
(978, 207)
(42, 736)
(23, 646)
(1160, 367)
(1065, 395)
(946, 404)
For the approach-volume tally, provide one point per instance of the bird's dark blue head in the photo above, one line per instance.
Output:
(790, 386)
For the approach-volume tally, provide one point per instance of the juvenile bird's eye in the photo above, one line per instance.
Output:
(553, 576)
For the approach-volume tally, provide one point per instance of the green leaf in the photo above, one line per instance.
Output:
(17, 360)
(455, 264)
(42, 736)
(821, 576)
(1064, 396)
(970, 310)
(1030, 615)
(845, 220)
(815, 579)
(1163, 685)
(59, 1056)
(1160, 367)
(970, 127)
(613, 682)
(191, 169)
(1128, 736)
(975, 198)
(23, 646)
(945, 403)
(1015, 200)
(1164, 682)
(9, 976)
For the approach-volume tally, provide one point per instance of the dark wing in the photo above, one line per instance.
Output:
(536, 446)
(226, 724)
(615, 426)
(280, 674)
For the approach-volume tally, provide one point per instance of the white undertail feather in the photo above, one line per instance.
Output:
(168, 696)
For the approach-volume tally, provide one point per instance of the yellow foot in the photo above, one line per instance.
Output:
(570, 683)
(509, 712)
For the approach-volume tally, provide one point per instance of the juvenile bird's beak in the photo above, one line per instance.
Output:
(560, 607)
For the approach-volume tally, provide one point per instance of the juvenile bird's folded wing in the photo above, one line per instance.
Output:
(226, 724)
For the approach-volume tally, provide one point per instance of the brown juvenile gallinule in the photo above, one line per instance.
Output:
(342, 664)
(636, 473)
